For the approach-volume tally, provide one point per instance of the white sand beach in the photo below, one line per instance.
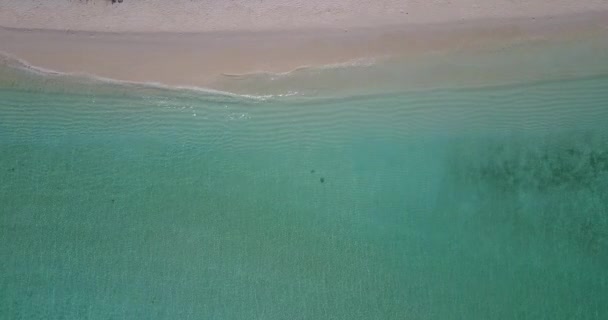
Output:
(247, 15)
(193, 43)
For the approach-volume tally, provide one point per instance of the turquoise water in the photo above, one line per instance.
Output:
(139, 203)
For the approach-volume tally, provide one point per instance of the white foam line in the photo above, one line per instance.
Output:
(26, 66)
(361, 62)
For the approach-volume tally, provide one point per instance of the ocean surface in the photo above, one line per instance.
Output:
(132, 202)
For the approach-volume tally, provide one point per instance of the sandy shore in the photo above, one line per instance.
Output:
(203, 43)
(256, 15)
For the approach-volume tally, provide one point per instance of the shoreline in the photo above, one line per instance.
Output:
(257, 62)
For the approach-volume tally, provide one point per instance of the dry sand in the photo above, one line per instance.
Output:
(195, 43)
(255, 15)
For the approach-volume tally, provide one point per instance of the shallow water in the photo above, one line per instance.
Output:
(136, 203)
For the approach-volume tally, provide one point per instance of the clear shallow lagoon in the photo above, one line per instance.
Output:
(135, 203)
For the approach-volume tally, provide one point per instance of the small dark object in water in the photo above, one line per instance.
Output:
(112, 200)
(12, 169)
(312, 171)
(322, 180)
